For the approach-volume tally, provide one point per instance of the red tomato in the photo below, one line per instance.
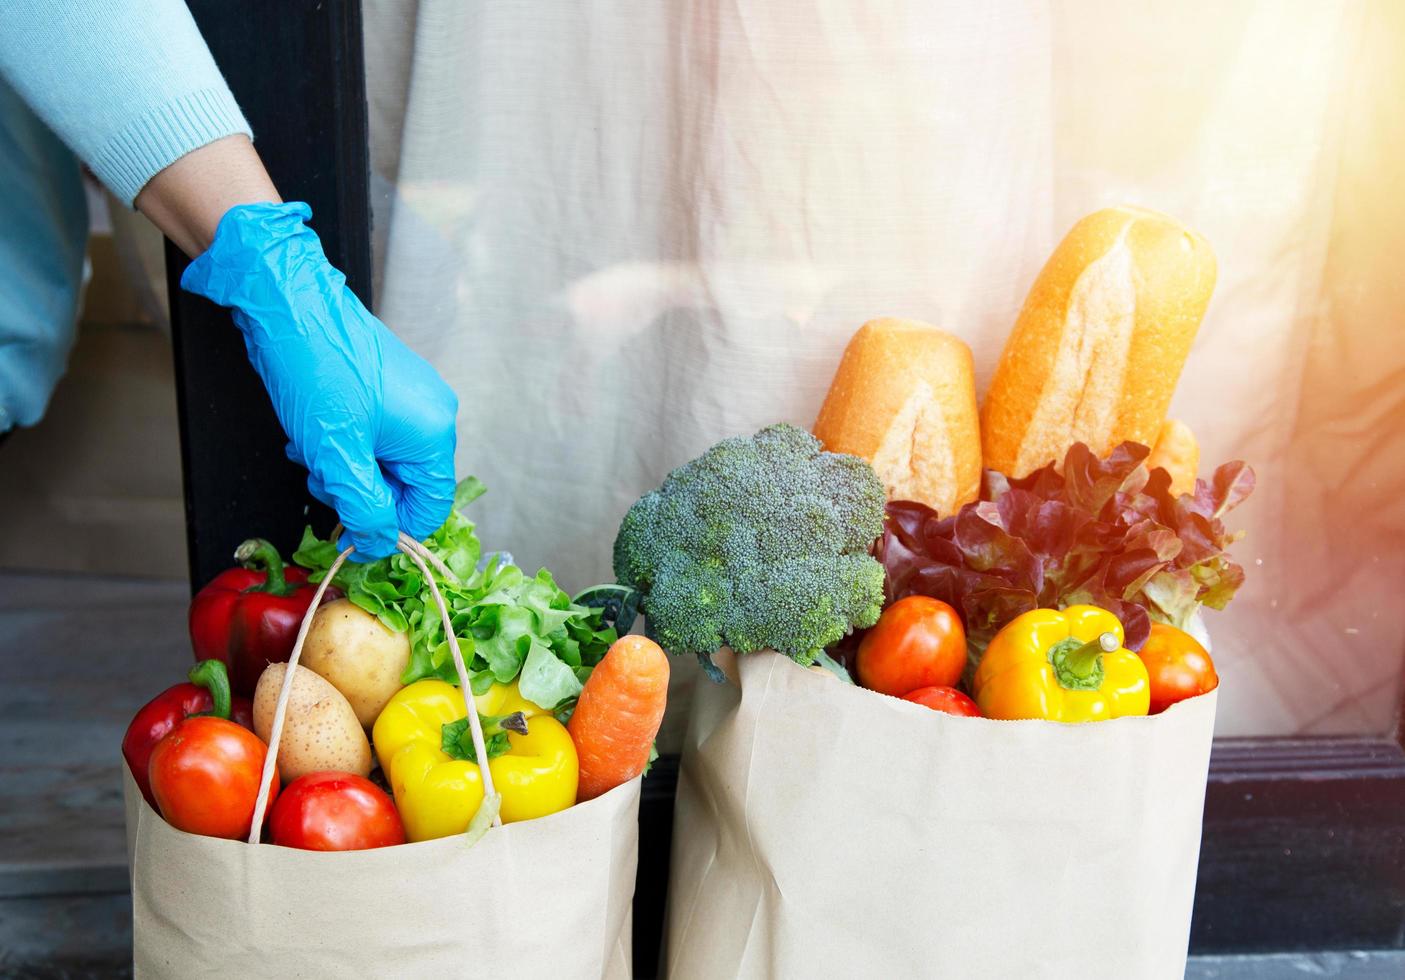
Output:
(918, 642)
(947, 699)
(335, 811)
(205, 777)
(1177, 666)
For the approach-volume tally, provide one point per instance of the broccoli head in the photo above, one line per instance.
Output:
(760, 543)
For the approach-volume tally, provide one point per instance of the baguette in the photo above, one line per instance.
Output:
(1098, 347)
(1178, 453)
(904, 398)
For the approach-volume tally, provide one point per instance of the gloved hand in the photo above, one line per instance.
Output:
(371, 420)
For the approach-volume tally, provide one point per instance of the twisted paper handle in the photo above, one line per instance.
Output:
(417, 553)
(422, 557)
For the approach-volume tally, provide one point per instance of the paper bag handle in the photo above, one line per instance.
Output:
(423, 558)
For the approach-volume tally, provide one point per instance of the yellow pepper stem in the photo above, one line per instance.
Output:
(1079, 666)
(515, 722)
(457, 743)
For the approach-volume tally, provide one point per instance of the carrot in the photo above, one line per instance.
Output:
(618, 715)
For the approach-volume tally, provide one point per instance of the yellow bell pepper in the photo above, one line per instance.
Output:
(438, 795)
(1063, 665)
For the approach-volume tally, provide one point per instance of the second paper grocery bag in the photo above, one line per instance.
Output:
(824, 830)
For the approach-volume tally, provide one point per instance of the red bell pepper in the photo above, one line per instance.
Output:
(248, 617)
(207, 693)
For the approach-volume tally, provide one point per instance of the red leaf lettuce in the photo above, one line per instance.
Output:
(1099, 531)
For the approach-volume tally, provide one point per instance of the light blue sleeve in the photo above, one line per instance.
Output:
(129, 85)
(43, 228)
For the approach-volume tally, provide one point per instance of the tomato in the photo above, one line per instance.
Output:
(945, 699)
(205, 777)
(1177, 666)
(918, 642)
(334, 811)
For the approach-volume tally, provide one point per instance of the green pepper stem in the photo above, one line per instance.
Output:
(1079, 666)
(258, 554)
(213, 677)
(1082, 662)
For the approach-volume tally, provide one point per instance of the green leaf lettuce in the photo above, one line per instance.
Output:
(510, 626)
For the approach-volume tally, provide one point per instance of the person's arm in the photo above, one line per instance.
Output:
(187, 199)
(130, 86)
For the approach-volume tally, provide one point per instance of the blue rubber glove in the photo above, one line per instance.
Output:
(370, 419)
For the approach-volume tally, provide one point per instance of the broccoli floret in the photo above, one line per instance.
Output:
(760, 543)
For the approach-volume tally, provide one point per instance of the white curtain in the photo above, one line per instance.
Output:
(623, 231)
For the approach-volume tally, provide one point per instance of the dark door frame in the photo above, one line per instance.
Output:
(296, 68)
(1304, 839)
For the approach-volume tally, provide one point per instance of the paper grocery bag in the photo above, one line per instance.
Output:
(546, 898)
(823, 830)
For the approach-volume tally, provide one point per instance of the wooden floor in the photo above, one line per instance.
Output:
(78, 655)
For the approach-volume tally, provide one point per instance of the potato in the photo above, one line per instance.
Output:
(358, 655)
(320, 731)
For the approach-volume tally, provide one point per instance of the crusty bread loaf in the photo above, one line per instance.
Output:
(1178, 453)
(904, 399)
(1096, 352)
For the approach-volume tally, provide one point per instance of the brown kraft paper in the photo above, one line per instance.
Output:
(823, 830)
(546, 898)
